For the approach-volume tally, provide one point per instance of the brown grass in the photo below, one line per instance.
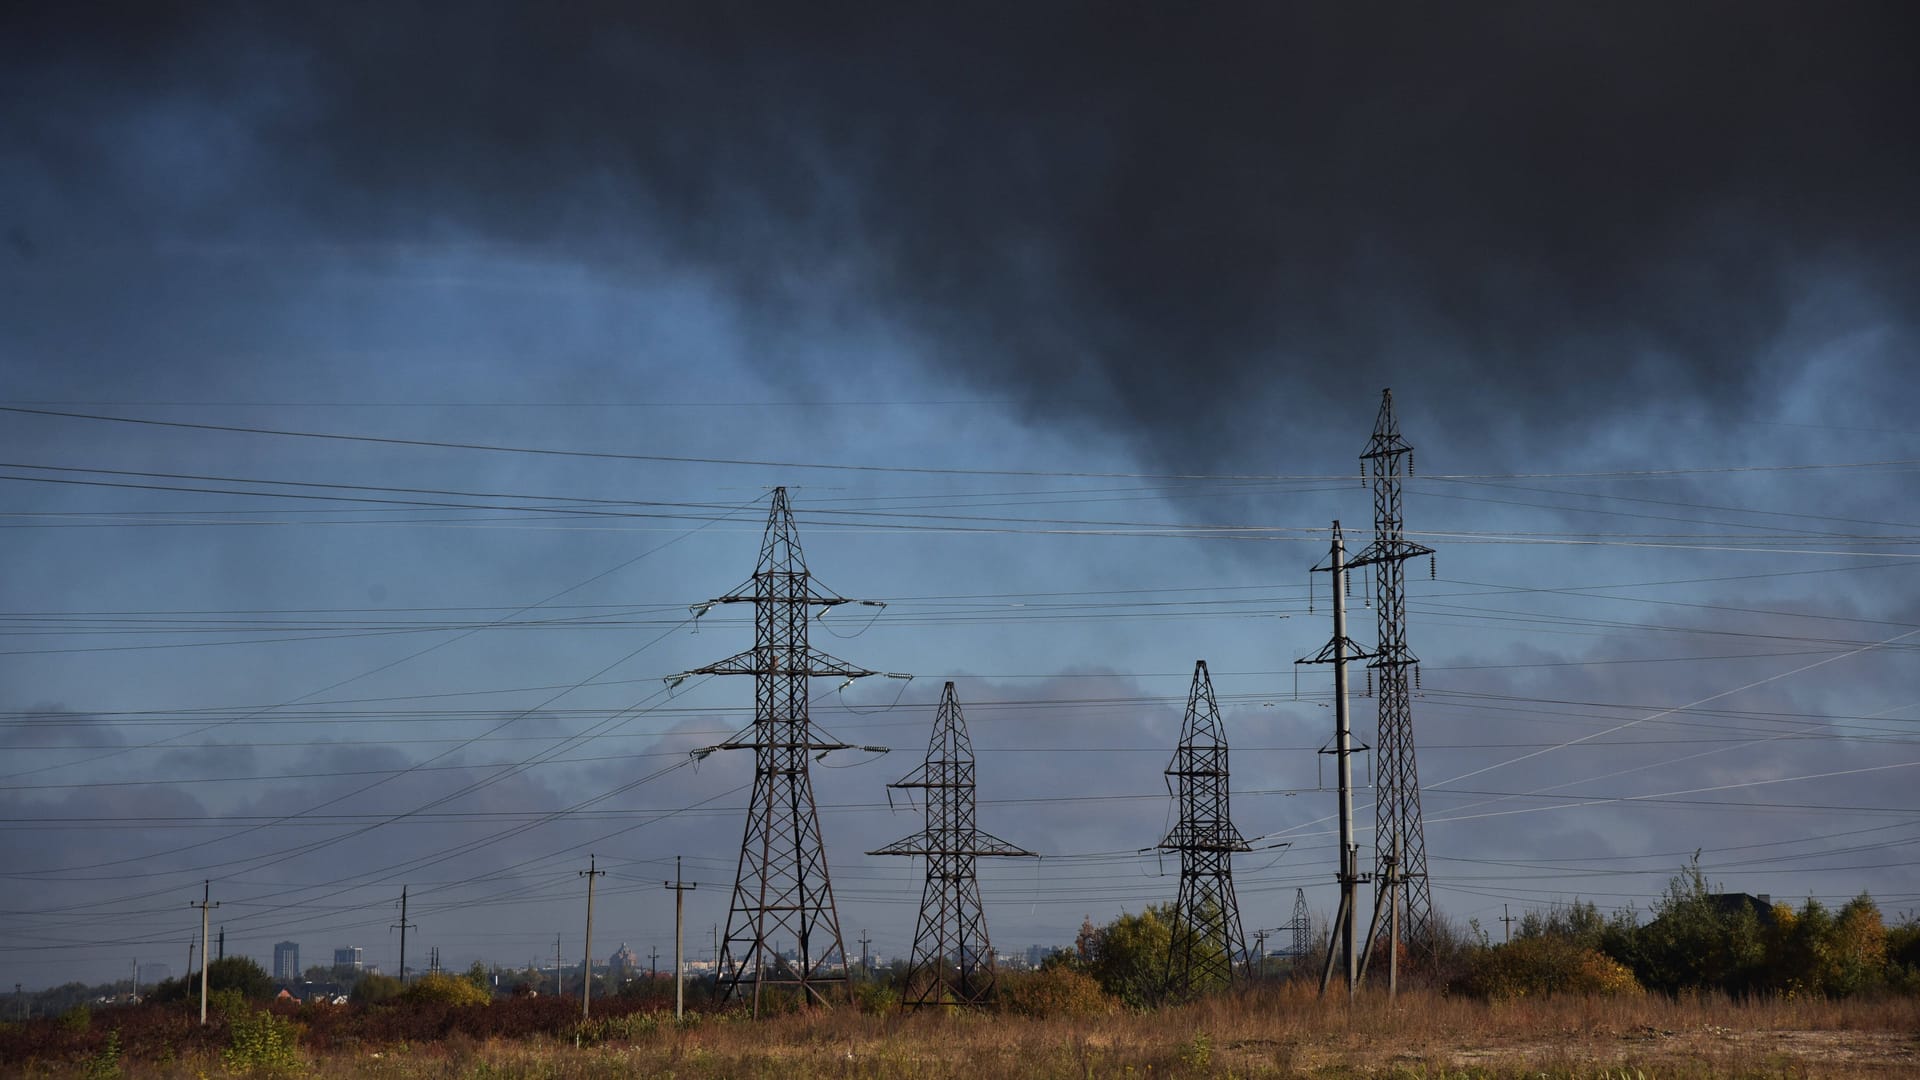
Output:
(1284, 1032)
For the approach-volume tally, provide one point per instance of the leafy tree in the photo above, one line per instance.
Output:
(1860, 947)
(1693, 942)
(236, 973)
(1814, 951)
(375, 989)
(479, 976)
(1903, 955)
(1128, 956)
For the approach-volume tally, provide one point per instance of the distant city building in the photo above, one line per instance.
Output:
(348, 957)
(1037, 954)
(623, 964)
(286, 961)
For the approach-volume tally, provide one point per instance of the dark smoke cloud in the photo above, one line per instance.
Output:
(1535, 214)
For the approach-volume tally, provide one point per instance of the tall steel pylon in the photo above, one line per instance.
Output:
(1208, 946)
(782, 888)
(1301, 924)
(952, 959)
(1399, 843)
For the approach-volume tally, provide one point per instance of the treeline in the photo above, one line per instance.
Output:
(1702, 941)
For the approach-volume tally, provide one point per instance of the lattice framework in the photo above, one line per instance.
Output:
(782, 888)
(1400, 850)
(952, 957)
(1208, 948)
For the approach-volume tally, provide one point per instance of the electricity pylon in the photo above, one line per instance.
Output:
(1207, 944)
(1301, 925)
(952, 959)
(782, 886)
(1399, 837)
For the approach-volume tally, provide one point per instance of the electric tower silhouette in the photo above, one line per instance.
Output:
(782, 888)
(1399, 837)
(952, 959)
(1207, 943)
(1301, 925)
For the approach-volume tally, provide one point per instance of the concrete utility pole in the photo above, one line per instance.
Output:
(1341, 941)
(866, 964)
(679, 934)
(221, 945)
(1508, 919)
(586, 968)
(559, 968)
(206, 904)
(403, 926)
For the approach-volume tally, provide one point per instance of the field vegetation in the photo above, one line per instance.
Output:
(1711, 986)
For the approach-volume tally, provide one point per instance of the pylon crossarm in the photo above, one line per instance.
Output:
(1394, 550)
(1221, 837)
(751, 663)
(988, 844)
(1345, 648)
(917, 844)
(813, 597)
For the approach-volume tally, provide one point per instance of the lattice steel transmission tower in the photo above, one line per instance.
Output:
(1207, 945)
(782, 888)
(952, 959)
(1400, 849)
(1301, 925)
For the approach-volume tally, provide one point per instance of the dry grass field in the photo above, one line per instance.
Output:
(1282, 1033)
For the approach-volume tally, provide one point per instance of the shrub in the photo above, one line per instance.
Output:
(445, 990)
(1055, 991)
(104, 1064)
(1538, 966)
(876, 998)
(260, 1042)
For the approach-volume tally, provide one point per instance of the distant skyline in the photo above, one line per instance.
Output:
(385, 394)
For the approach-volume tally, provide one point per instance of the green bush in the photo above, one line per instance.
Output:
(876, 998)
(104, 1064)
(261, 1043)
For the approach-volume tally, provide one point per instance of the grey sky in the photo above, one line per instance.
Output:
(1122, 286)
